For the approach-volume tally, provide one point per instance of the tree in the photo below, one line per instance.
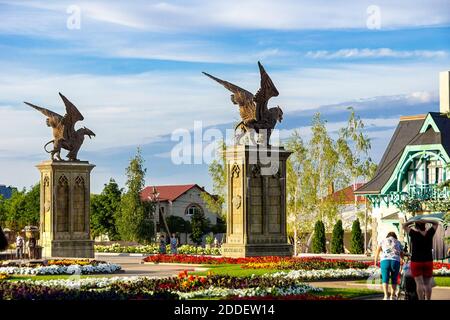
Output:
(216, 203)
(22, 208)
(357, 240)
(337, 239)
(3, 213)
(105, 209)
(199, 225)
(319, 240)
(31, 215)
(133, 223)
(178, 224)
(316, 166)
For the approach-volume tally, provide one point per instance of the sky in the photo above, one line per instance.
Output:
(133, 68)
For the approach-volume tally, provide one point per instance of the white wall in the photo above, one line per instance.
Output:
(179, 206)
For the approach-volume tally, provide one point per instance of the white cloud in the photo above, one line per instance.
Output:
(199, 15)
(356, 53)
(333, 128)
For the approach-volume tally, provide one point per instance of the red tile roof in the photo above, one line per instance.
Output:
(346, 195)
(168, 193)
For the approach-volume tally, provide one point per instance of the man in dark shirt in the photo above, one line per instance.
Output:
(422, 255)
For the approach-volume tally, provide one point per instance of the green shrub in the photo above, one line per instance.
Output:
(357, 239)
(337, 239)
(319, 240)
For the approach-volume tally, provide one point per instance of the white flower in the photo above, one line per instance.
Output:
(54, 269)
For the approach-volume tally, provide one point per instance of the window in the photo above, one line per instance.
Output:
(434, 172)
(193, 208)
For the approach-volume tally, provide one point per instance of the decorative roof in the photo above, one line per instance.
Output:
(409, 132)
(169, 192)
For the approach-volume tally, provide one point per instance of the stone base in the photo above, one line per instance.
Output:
(256, 250)
(69, 249)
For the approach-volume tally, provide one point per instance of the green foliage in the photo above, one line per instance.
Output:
(133, 222)
(411, 205)
(21, 209)
(319, 240)
(219, 227)
(105, 209)
(357, 239)
(200, 226)
(218, 173)
(337, 239)
(178, 224)
(320, 163)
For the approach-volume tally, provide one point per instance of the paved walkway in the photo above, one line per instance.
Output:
(132, 266)
(439, 293)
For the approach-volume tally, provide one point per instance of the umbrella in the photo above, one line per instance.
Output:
(433, 216)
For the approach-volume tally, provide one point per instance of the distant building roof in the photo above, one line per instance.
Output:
(169, 192)
(347, 195)
(408, 132)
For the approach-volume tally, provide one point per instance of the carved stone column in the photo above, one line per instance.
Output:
(65, 209)
(256, 217)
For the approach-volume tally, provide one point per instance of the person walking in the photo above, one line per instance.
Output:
(173, 244)
(422, 254)
(19, 246)
(390, 252)
(162, 244)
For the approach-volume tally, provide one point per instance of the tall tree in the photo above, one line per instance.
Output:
(337, 238)
(319, 239)
(217, 170)
(133, 222)
(199, 226)
(301, 193)
(357, 240)
(105, 209)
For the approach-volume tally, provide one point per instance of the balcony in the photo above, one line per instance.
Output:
(421, 192)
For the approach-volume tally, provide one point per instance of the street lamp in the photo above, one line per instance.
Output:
(154, 198)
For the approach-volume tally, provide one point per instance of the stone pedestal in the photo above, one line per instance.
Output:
(65, 209)
(256, 217)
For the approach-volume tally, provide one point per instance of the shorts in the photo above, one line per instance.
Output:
(422, 268)
(389, 271)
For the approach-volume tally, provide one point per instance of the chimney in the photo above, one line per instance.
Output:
(331, 188)
(444, 91)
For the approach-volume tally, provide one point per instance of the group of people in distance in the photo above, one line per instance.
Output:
(390, 252)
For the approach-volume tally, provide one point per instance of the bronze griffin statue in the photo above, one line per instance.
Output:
(64, 134)
(255, 115)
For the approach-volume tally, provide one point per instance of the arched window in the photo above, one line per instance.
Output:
(193, 208)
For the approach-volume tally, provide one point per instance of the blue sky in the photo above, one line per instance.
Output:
(134, 70)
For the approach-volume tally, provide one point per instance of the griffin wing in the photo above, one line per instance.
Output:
(266, 91)
(241, 97)
(72, 113)
(45, 112)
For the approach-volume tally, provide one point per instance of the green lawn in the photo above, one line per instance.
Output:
(348, 293)
(233, 270)
(442, 281)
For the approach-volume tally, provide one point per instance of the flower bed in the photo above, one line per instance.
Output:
(63, 266)
(184, 286)
(154, 249)
(326, 274)
(271, 262)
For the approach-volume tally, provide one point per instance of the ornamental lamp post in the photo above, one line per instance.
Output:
(154, 198)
